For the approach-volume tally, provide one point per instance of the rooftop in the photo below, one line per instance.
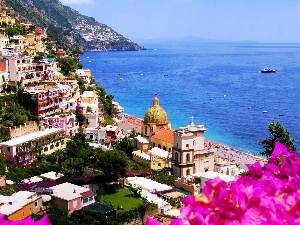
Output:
(159, 152)
(11, 204)
(143, 140)
(52, 175)
(30, 137)
(165, 135)
(88, 94)
(68, 191)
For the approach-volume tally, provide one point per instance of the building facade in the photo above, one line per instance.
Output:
(188, 154)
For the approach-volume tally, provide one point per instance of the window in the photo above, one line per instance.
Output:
(159, 164)
(176, 157)
(187, 157)
(85, 200)
(159, 146)
(187, 145)
(164, 148)
(177, 145)
(146, 130)
(75, 203)
(153, 145)
(169, 149)
(36, 204)
(8, 149)
(188, 172)
(91, 198)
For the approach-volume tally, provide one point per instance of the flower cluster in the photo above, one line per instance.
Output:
(28, 221)
(145, 173)
(30, 186)
(266, 195)
(164, 191)
(130, 174)
(83, 180)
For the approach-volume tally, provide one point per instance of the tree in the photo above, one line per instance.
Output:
(80, 118)
(278, 134)
(112, 163)
(125, 146)
(67, 65)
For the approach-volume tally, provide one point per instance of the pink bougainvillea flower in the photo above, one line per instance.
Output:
(270, 194)
(152, 221)
(28, 221)
(255, 169)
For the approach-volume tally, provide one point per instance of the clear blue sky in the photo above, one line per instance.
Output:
(232, 20)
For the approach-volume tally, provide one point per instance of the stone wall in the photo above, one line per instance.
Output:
(21, 130)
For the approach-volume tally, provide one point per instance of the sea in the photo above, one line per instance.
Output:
(213, 84)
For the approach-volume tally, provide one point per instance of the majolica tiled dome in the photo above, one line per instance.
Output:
(156, 114)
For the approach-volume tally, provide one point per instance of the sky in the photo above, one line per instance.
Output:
(274, 21)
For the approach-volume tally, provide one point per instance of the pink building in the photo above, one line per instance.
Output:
(70, 197)
(68, 123)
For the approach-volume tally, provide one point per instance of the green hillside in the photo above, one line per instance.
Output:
(69, 28)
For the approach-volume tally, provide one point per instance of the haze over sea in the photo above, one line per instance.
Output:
(217, 83)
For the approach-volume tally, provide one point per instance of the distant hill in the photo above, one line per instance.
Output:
(69, 28)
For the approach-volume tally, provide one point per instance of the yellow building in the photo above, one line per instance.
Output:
(156, 158)
(89, 97)
(157, 136)
(155, 119)
(20, 205)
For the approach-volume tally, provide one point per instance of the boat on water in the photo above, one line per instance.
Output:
(267, 70)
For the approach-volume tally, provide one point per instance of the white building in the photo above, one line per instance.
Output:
(188, 153)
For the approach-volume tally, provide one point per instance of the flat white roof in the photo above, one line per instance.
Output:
(111, 128)
(68, 191)
(212, 175)
(16, 201)
(141, 155)
(159, 152)
(143, 140)
(29, 137)
(88, 94)
(52, 175)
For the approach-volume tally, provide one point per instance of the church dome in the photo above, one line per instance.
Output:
(156, 114)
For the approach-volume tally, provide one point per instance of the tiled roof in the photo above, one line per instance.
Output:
(87, 194)
(165, 135)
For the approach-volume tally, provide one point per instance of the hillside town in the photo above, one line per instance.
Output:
(66, 146)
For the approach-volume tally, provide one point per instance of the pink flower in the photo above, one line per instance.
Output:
(268, 195)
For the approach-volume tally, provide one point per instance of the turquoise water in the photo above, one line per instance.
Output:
(218, 84)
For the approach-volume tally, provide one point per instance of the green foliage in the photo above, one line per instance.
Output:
(67, 64)
(108, 106)
(16, 175)
(2, 164)
(278, 134)
(108, 120)
(89, 109)
(8, 123)
(125, 146)
(112, 163)
(16, 113)
(163, 178)
(4, 134)
(80, 118)
(9, 190)
(15, 30)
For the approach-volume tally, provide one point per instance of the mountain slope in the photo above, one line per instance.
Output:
(69, 28)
